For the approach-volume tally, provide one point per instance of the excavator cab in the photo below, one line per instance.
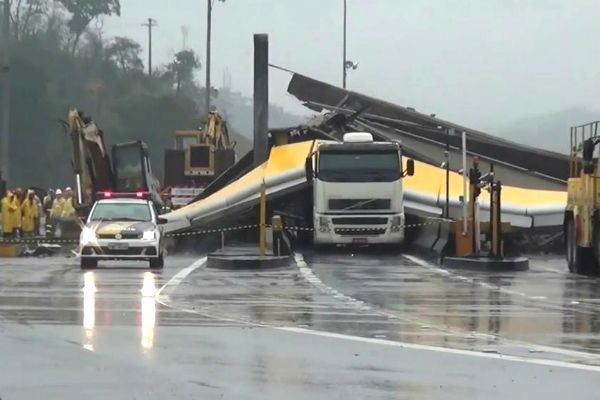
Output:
(199, 155)
(128, 173)
(133, 172)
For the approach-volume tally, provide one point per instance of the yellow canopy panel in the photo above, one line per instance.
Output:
(424, 192)
(283, 169)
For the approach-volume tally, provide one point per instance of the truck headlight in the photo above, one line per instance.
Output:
(396, 223)
(324, 224)
(148, 235)
(88, 235)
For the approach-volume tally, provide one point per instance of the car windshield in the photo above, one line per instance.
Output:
(121, 211)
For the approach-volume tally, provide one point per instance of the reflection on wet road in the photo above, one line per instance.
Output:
(545, 306)
(357, 325)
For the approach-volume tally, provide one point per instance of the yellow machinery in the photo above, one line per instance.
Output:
(197, 155)
(582, 215)
(198, 158)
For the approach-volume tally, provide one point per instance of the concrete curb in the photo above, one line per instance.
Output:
(487, 264)
(223, 261)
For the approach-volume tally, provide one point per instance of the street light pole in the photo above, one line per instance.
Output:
(4, 140)
(208, 29)
(344, 68)
(150, 24)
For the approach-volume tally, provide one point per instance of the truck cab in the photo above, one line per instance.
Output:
(357, 191)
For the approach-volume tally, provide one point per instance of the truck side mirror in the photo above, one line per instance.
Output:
(410, 167)
(308, 167)
(161, 221)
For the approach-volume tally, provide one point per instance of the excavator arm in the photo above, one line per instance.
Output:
(91, 163)
(216, 132)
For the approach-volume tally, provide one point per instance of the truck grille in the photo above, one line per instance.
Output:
(359, 231)
(359, 204)
(360, 221)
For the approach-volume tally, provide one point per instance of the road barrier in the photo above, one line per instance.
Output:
(39, 240)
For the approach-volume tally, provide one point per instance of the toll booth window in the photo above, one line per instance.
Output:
(200, 157)
(129, 170)
(359, 166)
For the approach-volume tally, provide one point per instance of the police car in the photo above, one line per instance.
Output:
(122, 229)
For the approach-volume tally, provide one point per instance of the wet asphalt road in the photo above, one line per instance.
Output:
(335, 326)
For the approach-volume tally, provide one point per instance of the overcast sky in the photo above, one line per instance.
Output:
(475, 62)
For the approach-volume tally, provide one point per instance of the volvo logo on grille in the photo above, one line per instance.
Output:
(118, 236)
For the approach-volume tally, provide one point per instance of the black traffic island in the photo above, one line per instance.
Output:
(241, 256)
(487, 263)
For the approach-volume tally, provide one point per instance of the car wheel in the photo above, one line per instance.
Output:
(158, 262)
(87, 263)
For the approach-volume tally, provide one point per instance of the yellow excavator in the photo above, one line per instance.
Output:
(199, 156)
(582, 214)
(127, 173)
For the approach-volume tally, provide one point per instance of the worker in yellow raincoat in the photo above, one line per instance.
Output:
(29, 211)
(68, 211)
(56, 213)
(17, 215)
(9, 208)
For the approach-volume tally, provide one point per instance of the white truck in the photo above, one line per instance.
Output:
(357, 191)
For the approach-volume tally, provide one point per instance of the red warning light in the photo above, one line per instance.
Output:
(107, 194)
(139, 194)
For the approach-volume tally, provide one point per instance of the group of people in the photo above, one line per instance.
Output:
(22, 211)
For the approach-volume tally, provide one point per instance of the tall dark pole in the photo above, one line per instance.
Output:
(449, 131)
(150, 24)
(4, 143)
(344, 70)
(261, 98)
(208, 29)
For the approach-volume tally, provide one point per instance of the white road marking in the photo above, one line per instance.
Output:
(308, 274)
(178, 278)
(536, 347)
(413, 346)
(174, 282)
(427, 264)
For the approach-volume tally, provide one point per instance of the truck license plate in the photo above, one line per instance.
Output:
(360, 241)
(118, 246)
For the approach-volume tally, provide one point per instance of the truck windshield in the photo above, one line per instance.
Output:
(359, 166)
(129, 170)
(121, 212)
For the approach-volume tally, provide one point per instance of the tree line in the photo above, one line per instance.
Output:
(61, 59)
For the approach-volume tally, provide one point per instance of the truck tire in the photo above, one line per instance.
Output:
(88, 263)
(576, 255)
(596, 249)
